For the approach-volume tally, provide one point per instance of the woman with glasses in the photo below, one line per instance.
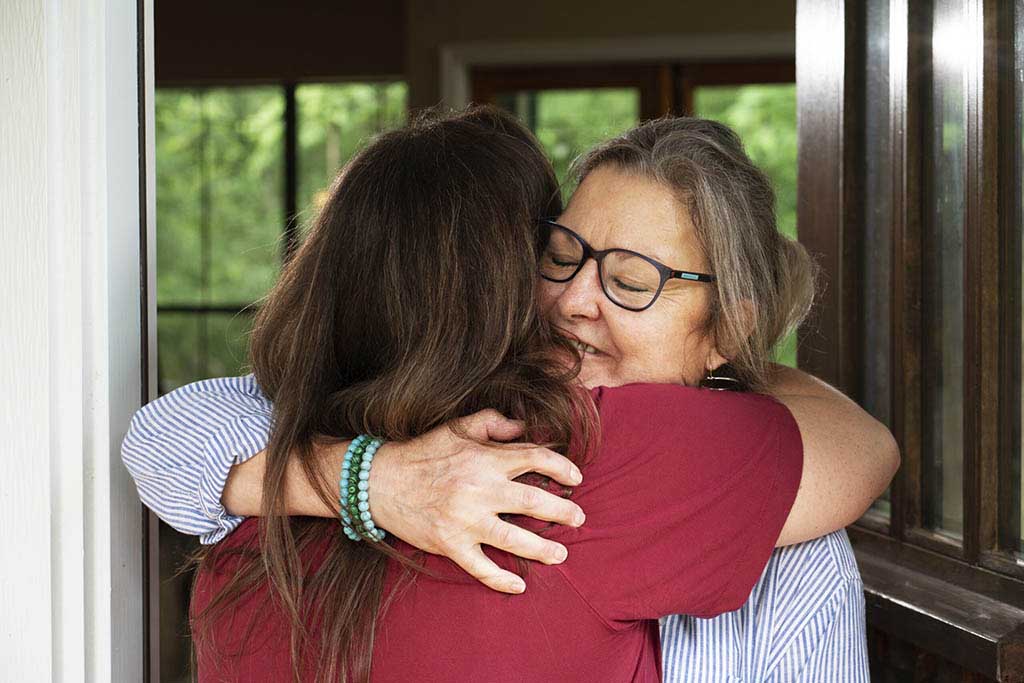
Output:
(665, 264)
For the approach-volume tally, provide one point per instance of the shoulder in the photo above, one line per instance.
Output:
(732, 420)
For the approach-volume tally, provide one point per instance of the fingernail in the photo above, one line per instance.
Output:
(517, 586)
(561, 554)
(576, 475)
(579, 518)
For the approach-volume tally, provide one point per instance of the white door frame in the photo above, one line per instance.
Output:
(74, 219)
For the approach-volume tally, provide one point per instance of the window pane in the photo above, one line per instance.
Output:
(334, 121)
(570, 122)
(877, 257)
(764, 116)
(195, 346)
(219, 194)
(943, 291)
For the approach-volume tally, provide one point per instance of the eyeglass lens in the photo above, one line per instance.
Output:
(627, 279)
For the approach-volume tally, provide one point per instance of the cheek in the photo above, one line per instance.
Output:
(663, 349)
(547, 295)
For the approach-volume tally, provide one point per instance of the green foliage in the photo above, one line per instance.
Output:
(220, 203)
(335, 121)
(764, 116)
(220, 184)
(569, 122)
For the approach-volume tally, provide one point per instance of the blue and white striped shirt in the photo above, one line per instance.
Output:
(804, 621)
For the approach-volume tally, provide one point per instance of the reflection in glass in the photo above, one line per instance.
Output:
(943, 262)
(570, 122)
(334, 121)
(877, 259)
(764, 116)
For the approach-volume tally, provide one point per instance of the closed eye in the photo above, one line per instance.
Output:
(630, 286)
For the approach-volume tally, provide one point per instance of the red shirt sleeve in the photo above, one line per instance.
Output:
(685, 500)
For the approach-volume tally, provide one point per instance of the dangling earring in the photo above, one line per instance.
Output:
(721, 379)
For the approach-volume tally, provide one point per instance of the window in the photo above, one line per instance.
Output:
(906, 112)
(240, 170)
(570, 109)
(226, 203)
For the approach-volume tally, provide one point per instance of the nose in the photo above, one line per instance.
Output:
(582, 295)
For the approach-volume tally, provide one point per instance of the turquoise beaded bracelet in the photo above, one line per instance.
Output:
(354, 490)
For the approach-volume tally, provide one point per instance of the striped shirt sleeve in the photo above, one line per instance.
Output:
(804, 623)
(180, 448)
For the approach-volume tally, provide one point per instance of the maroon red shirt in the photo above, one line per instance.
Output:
(685, 500)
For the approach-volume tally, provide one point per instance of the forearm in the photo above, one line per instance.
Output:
(243, 491)
(849, 457)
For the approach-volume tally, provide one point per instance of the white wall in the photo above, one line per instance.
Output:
(70, 358)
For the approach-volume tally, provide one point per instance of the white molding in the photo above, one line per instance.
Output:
(456, 59)
(71, 554)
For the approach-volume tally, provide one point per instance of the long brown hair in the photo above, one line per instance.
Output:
(410, 303)
(765, 282)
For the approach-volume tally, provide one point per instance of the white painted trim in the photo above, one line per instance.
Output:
(70, 554)
(456, 59)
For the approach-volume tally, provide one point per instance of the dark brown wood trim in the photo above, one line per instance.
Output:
(934, 541)
(908, 347)
(655, 90)
(1002, 561)
(742, 73)
(981, 279)
(914, 557)
(977, 632)
(973, 302)
(1005, 478)
(825, 119)
(903, 360)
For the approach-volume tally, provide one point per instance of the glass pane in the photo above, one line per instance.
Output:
(570, 122)
(764, 116)
(334, 121)
(220, 216)
(877, 257)
(943, 291)
(195, 346)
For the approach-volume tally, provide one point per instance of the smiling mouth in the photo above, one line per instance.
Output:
(584, 348)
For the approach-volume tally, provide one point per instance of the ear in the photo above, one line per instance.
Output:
(744, 314)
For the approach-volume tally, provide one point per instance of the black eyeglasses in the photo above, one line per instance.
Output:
(629, 279)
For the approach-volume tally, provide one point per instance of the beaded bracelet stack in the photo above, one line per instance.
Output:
(354, 490)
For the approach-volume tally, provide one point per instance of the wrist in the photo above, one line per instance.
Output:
(301, 498)
(382, 477)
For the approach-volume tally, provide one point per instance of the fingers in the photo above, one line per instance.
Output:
(543, 461)
(490, 425)
(484, 570)
(526, 544)
(532, 501)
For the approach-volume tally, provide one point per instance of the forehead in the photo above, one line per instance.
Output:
(613, 208)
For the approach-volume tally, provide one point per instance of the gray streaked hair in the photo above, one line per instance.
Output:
(765, 282)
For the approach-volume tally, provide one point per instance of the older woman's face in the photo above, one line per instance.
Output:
(667, 342)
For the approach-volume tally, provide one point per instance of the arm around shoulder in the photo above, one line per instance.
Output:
(849, 456)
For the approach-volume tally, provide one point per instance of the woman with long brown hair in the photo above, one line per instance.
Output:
(685, 494)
